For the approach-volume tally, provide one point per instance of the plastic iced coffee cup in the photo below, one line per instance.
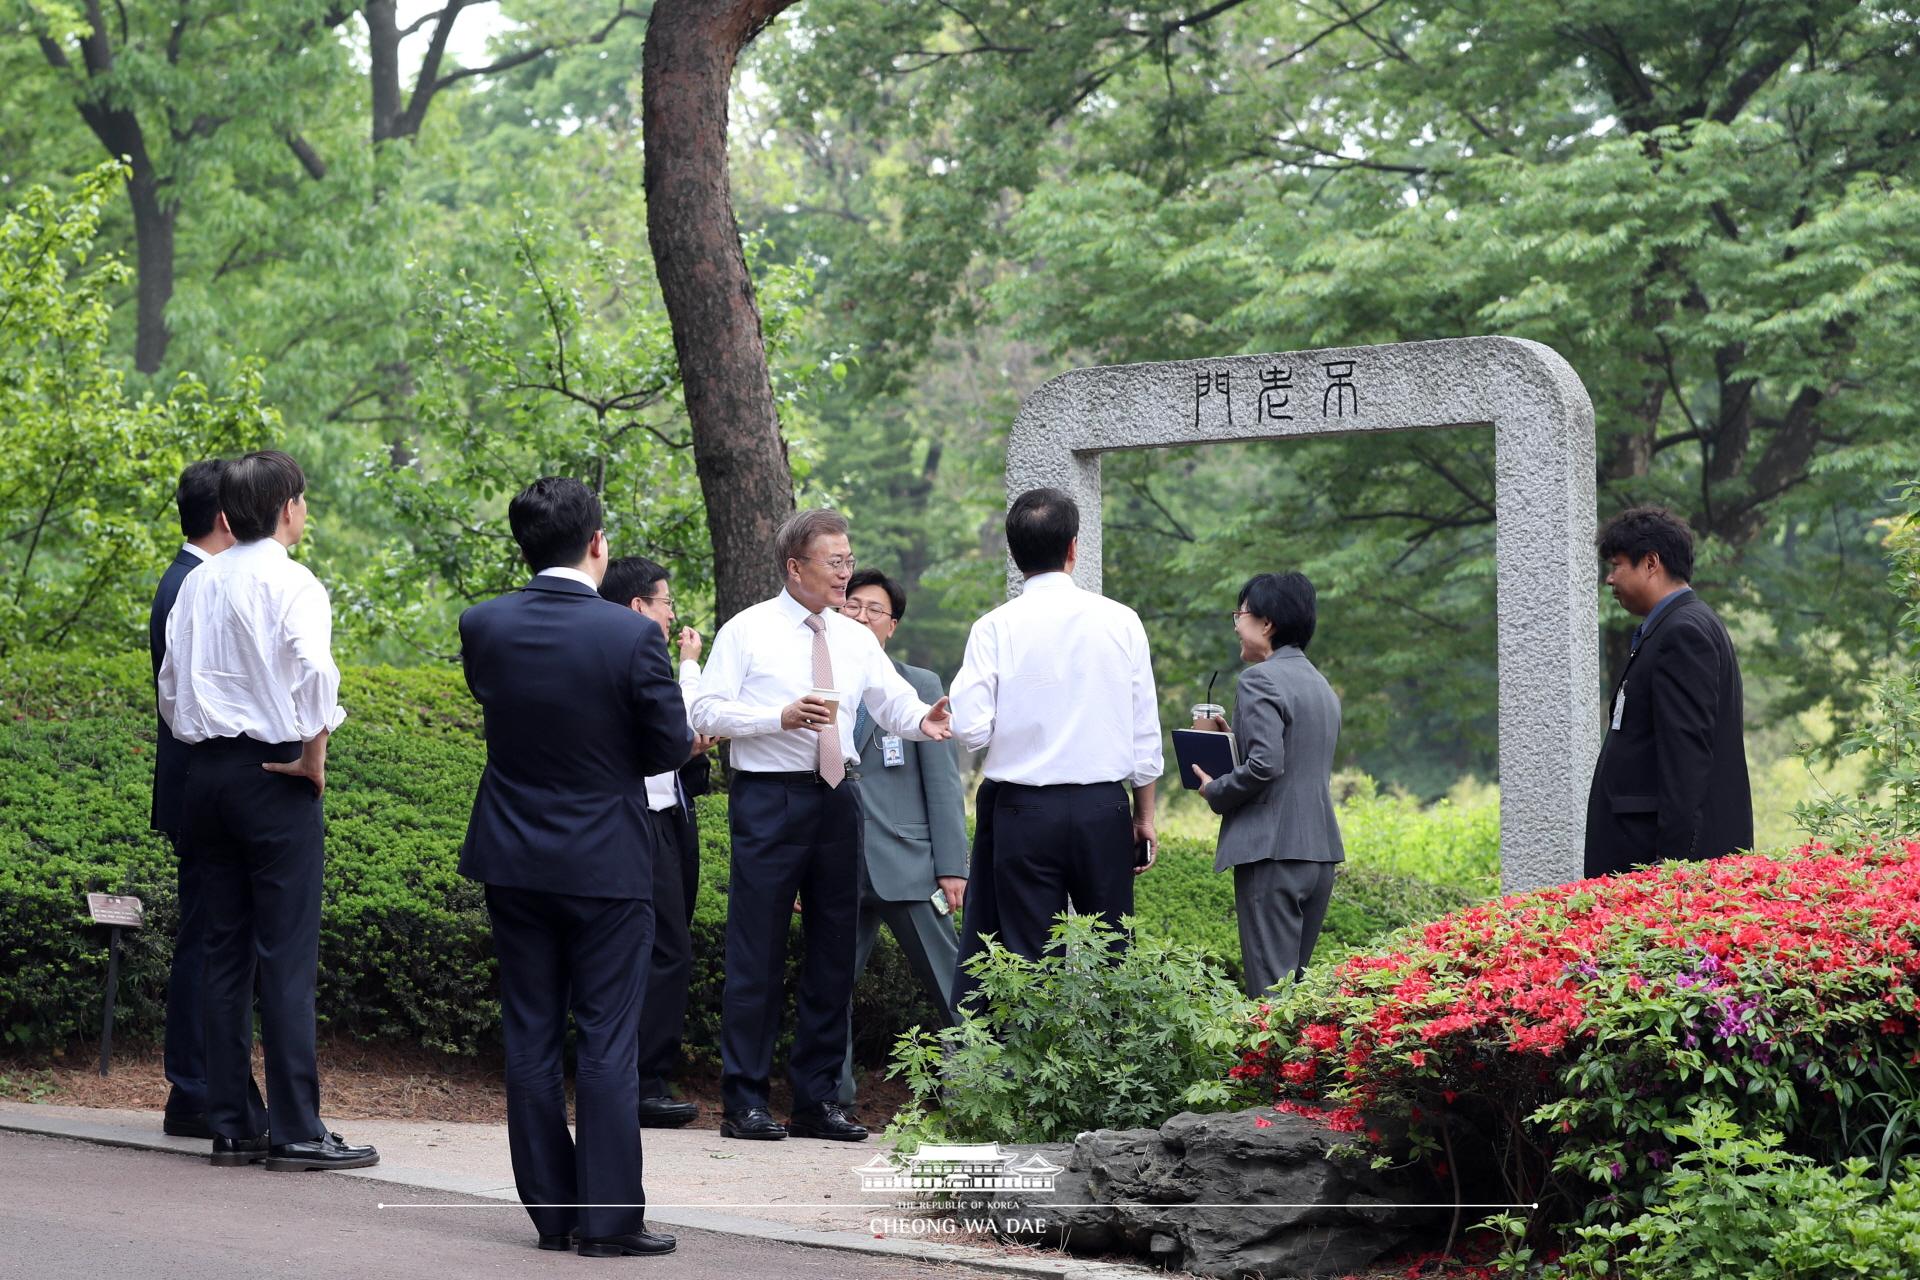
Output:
(1204, 714)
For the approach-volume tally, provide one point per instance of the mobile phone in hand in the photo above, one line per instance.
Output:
(1142, 853)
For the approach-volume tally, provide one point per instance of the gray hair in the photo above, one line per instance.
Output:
(799, 531)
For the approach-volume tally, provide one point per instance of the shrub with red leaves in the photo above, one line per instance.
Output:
(1575, 1026)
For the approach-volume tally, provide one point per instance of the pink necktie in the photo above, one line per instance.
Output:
(833, 765)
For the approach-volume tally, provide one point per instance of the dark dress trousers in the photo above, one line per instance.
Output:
(1671, 781)
(676, 886)
(185, 1053)
(792, 835)
(580, 706)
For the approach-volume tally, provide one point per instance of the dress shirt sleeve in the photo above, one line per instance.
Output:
(308, 634)
(1148, 759)
(689, 685)
(893, 703)
(716, 709)
(166, 685)
(975, 688)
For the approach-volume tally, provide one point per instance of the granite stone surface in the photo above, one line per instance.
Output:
(1542, 424)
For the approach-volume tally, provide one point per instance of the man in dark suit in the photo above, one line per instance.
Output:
(1671, 781)
(914, 838)
(639, 584)
(207, 535)
(580, 706)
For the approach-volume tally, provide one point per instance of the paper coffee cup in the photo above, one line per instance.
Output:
(829, 696)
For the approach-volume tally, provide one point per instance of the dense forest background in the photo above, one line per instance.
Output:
(409, 245)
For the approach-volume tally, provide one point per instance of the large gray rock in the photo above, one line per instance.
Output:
(1219, 1195)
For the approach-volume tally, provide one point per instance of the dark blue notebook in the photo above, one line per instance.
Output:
(1213, 751)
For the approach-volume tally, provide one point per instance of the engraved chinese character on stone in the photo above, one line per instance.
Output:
(1212, 382)
(1339, 388)
(1276, 387)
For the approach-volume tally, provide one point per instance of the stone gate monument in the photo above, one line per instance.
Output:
(1542, 423)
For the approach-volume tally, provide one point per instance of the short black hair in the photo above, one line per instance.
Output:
(553, 520)
(1286, 602)
(253, 490)
(198, 497)
(896, 594)
(1639, 531)
(630, 577)
(1041, 525)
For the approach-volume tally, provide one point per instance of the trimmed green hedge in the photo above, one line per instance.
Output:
(405, 952)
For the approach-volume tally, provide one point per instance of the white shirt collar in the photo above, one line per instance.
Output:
(1054, 580)
(570, 574)
(795, 612)
(268, 546)
(197, 553)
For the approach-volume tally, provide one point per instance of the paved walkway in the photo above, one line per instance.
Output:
(70, 1211)
(795, 1191)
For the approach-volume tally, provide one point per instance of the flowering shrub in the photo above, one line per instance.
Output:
(1576, 1027)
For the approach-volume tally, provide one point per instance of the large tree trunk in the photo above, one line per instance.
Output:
(153, 219)
(686, 73)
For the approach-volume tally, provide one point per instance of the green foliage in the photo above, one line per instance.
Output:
(1738, 1204)
(405, 949)
(549, 353)
(1082, 1038)
(87, 504)
(1711, 215)
(1887, 733)
(1184, 900)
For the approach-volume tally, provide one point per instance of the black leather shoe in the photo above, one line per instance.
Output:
(637, 1244)
(330, 1152)
(558, 1243)
(186, 1124)
(828, 1120)
(752, 1122)
(663, 1112)
(228, 1152)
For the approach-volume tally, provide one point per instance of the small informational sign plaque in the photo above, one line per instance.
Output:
(119, 909)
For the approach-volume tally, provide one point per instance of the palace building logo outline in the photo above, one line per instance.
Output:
(978, 1166)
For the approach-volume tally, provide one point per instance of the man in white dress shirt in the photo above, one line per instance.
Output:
(249, 684)
(644, 586)
(1057, 687)
(795, 819)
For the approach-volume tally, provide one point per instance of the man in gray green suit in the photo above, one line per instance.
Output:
(915, 846)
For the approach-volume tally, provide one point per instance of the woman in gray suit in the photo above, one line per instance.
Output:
(1277, 826)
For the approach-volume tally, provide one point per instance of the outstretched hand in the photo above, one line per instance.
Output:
(938, 726)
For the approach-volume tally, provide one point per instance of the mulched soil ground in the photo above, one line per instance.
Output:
(360, 1081)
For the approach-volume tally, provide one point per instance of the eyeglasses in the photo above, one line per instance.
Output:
(856, 608)
(1238, 614)
(835, 563)
(665, 600)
